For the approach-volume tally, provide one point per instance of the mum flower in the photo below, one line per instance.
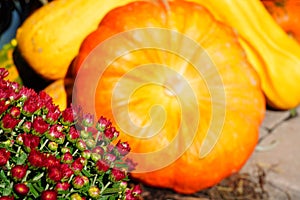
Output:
(43, 156)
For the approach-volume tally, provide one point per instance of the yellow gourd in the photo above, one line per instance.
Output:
(58, 93)
(7, 62)
(274, 55)
(50, 38)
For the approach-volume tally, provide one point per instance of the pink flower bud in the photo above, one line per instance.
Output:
(103, 124)
(67, 158)
(73, 134)
(137, 190)
(15, 112)
(86, 154)
(62, 186)
(81, 145)
(78, 182)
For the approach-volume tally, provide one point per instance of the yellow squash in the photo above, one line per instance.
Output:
(7, 62)
(274, 55)
(50, 38)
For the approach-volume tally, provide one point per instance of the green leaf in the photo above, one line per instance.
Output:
(22, 158)
(4, 178)
(38, 177)
(33, 190)
(7, 191)
(38, 188)
(86, 173)
(111, 190)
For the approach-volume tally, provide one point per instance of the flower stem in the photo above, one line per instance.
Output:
(104, 188)
(66, 144)
(43, 145)
(75, 152)
(47, 186)
(25, 177)
(69, 181)
(97, 136)
(94, 181)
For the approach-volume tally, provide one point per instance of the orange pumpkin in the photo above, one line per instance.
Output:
(178, 87)
(286, 14)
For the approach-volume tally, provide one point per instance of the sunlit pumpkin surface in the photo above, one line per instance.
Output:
(179, 89)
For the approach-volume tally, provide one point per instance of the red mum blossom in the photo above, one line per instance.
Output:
(36, 158)
(44, 98)
(39, 125)
(18, 172)
(7, 198)
(123, 148)
(110, 157)
(3, 73)
(111, 132)
(67, 116)
(27, 92)
(55, 174)
(49, 195)
(8, 122)
(55, 134)
(101, 166)
(66, 171)
(73, 134)
(51, 161)
(15, 112)
(5, 90)
(21, 189)
(137, 190)
(3, 106)
(62, 186)
(118, 174)
(4, 156)
(31, 105)
(26, 126)
(53, 113)
(31, 141)
(77, 166)
(103, 123)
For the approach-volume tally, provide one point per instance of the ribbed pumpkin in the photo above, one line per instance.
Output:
(286, 14)
(178, 86)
